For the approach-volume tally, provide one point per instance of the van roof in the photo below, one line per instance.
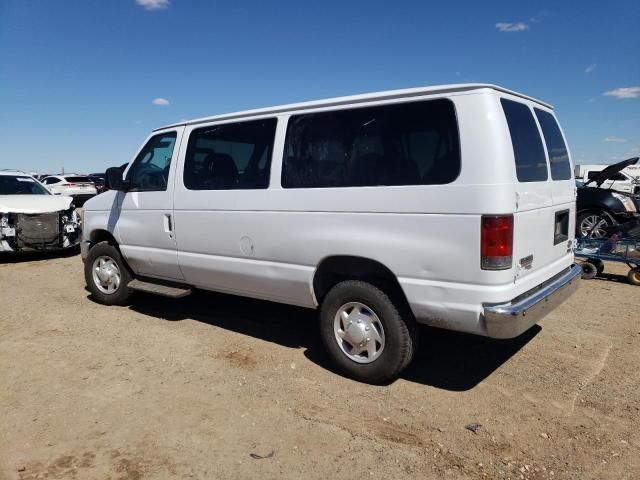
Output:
(352, 99)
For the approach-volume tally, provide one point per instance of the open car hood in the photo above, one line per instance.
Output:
(611, 170)
(34, 203)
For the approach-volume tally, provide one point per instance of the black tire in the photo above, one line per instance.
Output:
(634, 276)
(400, 332)
(589, 271)
(593, 217)
(599, 264)
(121, 294)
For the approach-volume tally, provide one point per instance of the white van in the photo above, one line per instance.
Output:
(452, 206)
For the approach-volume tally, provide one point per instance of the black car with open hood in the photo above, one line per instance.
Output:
(598, 207)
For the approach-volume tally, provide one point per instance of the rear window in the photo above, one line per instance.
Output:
(531, 164)
(78, 179)
(556, 148)
(405, 144)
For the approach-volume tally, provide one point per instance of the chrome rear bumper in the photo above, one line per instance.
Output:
(508, 320)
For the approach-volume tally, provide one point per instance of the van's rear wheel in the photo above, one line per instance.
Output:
(364, 333)
(107, 275)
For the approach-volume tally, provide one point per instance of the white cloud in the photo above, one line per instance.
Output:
(153, 4)
(614, 139)
(163, 102)
(511, 27)
(590, 68)
(624, 92)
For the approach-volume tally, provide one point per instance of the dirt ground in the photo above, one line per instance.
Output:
(219, 387)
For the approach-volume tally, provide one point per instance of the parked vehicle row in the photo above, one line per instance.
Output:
(32, 219)
(38, 213)
(80, 187)
(98, 181)
(449, 206)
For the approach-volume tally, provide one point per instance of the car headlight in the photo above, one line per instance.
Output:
(627, 202)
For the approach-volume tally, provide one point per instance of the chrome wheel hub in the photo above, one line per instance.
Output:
(593, 226)
(359, 332)
(106, 274)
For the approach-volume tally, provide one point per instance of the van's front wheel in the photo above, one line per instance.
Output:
(106, 275)
(364, 333)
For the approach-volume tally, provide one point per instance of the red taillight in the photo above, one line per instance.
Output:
(69, 184)
(496, 247)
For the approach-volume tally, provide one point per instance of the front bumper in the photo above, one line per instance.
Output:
(40, 232)
(508, 320)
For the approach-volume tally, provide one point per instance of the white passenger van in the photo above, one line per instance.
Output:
(451, 206)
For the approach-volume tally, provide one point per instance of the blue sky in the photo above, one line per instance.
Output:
(78, 78)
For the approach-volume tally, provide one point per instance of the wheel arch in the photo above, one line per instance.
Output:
(101, 235)
(336, 268)
(599, 210)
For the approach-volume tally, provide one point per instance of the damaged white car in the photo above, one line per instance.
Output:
(32, 219)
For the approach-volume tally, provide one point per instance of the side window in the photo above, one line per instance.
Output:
(412, 143)
(531, 164)
(557, 150)
(231, 156)
(150, 170)
(52, 180)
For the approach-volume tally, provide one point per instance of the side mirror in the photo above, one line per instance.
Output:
(113, 179)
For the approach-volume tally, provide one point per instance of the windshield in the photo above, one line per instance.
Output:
(21, 185)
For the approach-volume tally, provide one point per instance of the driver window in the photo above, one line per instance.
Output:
(150, 169)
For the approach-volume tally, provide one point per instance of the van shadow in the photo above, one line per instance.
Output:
(459, 361)
(446, 360)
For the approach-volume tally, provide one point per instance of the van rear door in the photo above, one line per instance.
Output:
(545, 193)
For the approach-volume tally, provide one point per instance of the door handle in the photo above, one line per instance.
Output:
(168, 224)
